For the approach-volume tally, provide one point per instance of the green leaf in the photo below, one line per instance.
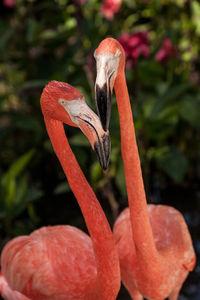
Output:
(95, 171)
(70, 23)
(63, 187)
(34, 194)
(32, 28)
(196, 15)
(172, 162)
(32, 213)
(79, 140)
(19, 201)
(18, 166)
(166, 98)
(21, 190)
(190, 111)
(9, 192)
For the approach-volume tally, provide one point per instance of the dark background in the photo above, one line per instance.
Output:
(45, 40)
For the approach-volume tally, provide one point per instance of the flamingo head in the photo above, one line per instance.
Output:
(110, 61)
(61, 101)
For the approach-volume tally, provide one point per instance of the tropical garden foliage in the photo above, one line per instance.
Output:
(55, 39)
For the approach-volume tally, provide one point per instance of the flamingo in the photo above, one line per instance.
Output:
(153, 241)
(62, 262)
(7, 293)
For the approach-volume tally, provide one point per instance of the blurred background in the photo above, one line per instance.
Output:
(55, 39)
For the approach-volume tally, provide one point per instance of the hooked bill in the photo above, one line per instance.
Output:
(102, 150)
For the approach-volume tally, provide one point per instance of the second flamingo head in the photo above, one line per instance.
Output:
(110, 61)
(62, 102)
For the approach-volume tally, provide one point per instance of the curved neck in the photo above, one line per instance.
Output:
(103, 243)
(141, 228)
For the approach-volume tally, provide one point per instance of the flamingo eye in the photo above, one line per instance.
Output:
(61, 101)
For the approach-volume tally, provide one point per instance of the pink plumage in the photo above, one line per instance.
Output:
(50, 263)
(7, 293)
(154, 244)
(62, 262)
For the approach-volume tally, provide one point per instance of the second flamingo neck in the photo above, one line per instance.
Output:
(141, 228)
(97, 224)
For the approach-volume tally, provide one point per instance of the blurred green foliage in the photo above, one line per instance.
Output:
(55, 39)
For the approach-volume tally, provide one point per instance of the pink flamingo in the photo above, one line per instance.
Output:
(7, 293)
(153, 241)
(62, 262)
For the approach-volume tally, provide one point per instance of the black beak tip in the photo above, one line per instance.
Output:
(105, 167)
(103, 151)
(106, 147)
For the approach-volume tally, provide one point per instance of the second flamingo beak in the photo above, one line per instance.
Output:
(107, 64)
(98, 138)
(107, 70)
(89, 123)
(103, 99)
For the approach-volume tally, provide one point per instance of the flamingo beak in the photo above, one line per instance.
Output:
(107, 70)
(89, 123)
(98, 138)
(102, 149)
(103, 99)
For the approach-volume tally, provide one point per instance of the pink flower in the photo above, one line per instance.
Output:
(9, 3)
(135, 45)
(167, 51)
(110, 7)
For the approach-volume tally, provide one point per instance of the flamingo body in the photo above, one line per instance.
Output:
(55, 262)
(154, 244)
(172, 240)
(62, 262)
(7, 293)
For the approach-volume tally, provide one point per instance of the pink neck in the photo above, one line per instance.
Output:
(97, 224)
(141, 228)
